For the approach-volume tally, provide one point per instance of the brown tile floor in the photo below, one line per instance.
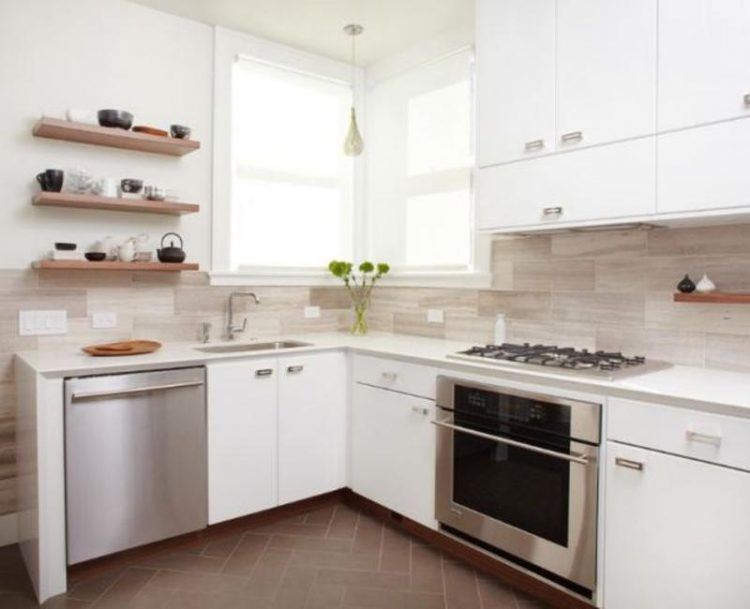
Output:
(329, 558)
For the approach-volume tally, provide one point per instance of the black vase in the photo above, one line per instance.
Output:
(686, 285)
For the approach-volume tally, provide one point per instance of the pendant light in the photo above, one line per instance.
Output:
(353, 144)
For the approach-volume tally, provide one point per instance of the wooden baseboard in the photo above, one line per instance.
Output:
(476, 558)
(93, 567)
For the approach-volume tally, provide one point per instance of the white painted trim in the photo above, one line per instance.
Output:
(8, 529)
(416, 279)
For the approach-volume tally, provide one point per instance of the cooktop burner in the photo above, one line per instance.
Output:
(600, 363)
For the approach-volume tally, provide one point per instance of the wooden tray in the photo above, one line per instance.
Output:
(126, 347)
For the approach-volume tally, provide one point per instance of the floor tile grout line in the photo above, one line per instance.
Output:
(150, 577)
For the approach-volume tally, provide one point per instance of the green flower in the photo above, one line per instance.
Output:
(367, 267)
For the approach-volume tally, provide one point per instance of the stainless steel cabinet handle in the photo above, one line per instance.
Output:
(294, 369)
(746, 99)
(694, 436)
(389, 376)
(533, 145)
(264, 372)
(420, 410)
(84, 395)
(552, 211)
(637, 465)
(573, 457)
(572, 137)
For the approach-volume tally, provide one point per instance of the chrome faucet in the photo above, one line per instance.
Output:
(231, 328)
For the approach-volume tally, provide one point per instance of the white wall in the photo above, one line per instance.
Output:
(94, 54)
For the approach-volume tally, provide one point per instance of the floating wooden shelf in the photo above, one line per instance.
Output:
(64, 199)
(57, 129)
(68, 265)
(714, 297)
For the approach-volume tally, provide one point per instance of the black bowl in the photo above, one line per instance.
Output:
(131, 185)
(181, 132)
(95, 256)
(115, 118)
(65, 247)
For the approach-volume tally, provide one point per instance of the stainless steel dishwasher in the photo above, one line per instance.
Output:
(135, 459)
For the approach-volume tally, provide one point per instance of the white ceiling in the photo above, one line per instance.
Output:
(316, 25)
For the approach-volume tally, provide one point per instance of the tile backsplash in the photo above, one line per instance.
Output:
(604, 290)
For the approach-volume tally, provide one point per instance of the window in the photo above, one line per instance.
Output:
(291, 193)
(419, 166)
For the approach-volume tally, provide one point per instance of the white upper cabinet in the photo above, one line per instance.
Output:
(606, 70)
(616, 181)
(515, 79)
(705, 168)
(312, 425)
(704, 71)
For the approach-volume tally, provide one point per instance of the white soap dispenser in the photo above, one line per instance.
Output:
(500, 329)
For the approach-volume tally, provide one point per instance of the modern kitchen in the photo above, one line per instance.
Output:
(375, 304)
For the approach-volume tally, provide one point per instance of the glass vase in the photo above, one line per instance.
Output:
(359, 327)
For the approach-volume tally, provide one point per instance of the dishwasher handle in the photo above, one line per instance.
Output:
(84, 395)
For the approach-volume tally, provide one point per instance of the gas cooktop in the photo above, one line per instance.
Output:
(604, 364)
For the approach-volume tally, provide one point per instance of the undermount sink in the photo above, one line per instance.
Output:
(242, 347)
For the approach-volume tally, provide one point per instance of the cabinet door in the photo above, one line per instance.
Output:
(312, 425)
(515, 79)
(704, 168)
(242, 445)
(606, 70)
(676, 532)
(605, 182)
(393, 451)
(704, 72)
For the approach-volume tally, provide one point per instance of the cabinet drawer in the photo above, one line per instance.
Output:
(405, 377)
(613, 181)
(709, 437)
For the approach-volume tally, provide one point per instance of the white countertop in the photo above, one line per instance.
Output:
(706, 389)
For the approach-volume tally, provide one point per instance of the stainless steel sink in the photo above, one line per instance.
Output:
(243, 347)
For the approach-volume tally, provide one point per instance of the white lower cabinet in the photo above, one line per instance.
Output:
(393, 451)
(276, 432)
(312, 425)
(242, 438)
(676, 533)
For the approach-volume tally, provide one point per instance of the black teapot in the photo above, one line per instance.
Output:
(171, 253)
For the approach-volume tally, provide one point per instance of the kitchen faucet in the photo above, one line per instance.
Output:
(231, 328)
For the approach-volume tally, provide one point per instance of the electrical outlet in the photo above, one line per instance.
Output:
(38, 323)
(312, 312)
(104, 320)
(435, 316)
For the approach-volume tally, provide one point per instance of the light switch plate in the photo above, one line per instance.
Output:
(104, 320)
(435, 316)
(312, 312)
(39, 323)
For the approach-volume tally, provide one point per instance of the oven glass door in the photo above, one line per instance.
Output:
(525, 489)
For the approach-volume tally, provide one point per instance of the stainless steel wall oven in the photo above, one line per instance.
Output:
(517, 475)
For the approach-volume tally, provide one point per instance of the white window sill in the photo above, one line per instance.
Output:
(410, 279)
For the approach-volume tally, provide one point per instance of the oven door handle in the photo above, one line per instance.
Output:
(574, 457)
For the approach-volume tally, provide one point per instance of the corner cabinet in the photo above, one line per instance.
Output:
(393, 451)
(276, 432)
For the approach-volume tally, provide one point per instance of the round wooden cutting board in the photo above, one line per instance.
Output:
(127, 347)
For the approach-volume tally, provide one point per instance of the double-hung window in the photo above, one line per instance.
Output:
(419, 166)
(291, 185)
